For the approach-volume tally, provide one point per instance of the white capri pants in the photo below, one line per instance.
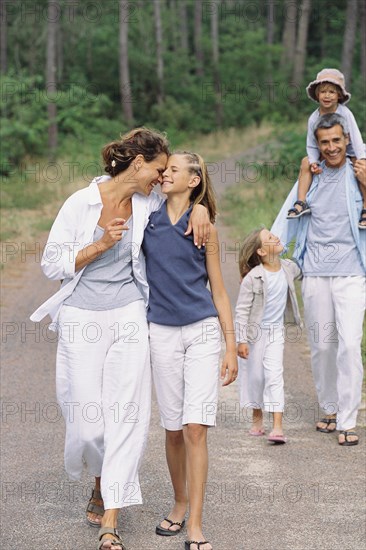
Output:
(261, 375)
(334, 309)
(103, 383)
(185, 363)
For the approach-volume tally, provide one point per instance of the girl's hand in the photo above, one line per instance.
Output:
(243, 351)
(229, 368)
(113, 232)
(315, 168)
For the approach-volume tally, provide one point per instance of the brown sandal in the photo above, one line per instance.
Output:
(94, 508)
(115, 541)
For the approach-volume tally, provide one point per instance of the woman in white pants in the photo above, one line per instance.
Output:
(185, 337)
(103, 368)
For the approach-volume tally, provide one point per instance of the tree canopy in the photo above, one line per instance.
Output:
(183, 66)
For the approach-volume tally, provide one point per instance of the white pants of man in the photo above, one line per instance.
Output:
(261, 375)
(103, 382)
(334, 309)
(185, 364)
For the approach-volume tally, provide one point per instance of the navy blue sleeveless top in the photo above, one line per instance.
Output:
(176, 273)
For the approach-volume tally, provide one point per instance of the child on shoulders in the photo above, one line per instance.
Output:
(329, 91)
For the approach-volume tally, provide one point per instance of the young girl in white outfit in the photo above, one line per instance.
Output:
(266, 291)
(185, 337)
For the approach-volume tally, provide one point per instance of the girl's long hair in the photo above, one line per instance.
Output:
(119, 154)
(204, 193)
(248, 255)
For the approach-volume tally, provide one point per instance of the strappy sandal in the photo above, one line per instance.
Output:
(167, 532)
(347, 443)
(116, 541)
(94, 508)
(187, 544)
(362, 219)
(305, 209)
(327, 421)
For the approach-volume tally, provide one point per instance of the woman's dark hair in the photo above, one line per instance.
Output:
(204, 193)
(118, 155)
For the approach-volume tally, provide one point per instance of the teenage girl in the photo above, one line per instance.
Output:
(267, 289)
(185, 337)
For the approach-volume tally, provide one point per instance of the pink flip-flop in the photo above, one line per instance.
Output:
(278, 439)
(257, 433)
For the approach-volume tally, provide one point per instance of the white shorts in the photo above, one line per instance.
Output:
(185, 363)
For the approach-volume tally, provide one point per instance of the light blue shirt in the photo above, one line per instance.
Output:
(290, 230)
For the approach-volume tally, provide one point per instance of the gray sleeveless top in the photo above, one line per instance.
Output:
(107, 283)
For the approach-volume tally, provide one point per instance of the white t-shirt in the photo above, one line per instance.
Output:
(274, 308)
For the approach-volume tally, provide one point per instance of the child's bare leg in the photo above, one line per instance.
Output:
(257, 422)
(305, 179)
(277, 424)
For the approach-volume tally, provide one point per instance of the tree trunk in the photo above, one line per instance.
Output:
(215, 63)
(124, 75)
(3, 38)
(198, 37)
(349, 40)
(270, 21)
(159, 52)
(183, 25)
(60, 52)
(289, 36)
(270, 37)
(173, 26)
(363, 39)
(51, 85)
(302, 39)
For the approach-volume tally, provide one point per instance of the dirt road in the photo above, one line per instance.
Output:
(306, 495)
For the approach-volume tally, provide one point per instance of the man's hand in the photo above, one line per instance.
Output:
(199, 223)
(315, 168)
(360, 171)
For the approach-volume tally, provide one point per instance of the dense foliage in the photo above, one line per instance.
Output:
(252, 84)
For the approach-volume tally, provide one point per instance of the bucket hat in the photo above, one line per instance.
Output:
(333, 76)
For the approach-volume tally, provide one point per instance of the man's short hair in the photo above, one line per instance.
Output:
(329, 120)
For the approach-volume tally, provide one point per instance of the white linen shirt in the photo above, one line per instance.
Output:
(73, 230)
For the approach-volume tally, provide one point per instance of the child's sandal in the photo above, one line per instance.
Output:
(362, 220)
(295, 213)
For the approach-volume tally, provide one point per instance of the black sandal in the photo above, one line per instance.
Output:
(327, 421)
(187, 544)
(305, 209)
(362, 219)
(167, 532)
(347, 443)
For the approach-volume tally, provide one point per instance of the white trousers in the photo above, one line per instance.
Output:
(334, 310)
(261, 375)
(103, 383)
(185, 363)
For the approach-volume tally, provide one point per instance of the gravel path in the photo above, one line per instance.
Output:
(306, 495)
